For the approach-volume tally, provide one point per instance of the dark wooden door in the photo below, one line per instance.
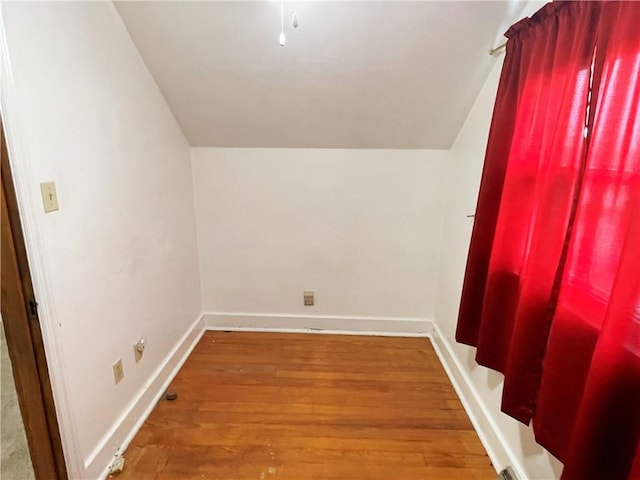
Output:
(24, 339)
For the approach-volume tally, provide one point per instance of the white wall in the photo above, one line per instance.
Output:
(463, 179)
(118, 261)
(359, 227)
(363, 228)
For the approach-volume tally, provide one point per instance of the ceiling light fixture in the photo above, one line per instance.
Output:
(282, 39)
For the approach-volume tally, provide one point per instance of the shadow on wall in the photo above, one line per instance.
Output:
(527, 446)
(494, 379)
(531, 449)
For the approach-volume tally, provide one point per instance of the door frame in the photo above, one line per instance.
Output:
(24, 337)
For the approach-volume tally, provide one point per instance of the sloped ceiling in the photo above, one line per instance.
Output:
(352, 75)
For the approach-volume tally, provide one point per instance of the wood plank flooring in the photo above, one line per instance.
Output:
(262, 406)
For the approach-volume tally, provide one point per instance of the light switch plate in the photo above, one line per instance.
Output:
(49, 196)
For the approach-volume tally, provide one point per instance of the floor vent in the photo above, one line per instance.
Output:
(507, 474)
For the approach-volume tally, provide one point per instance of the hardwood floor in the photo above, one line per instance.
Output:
(262, 406)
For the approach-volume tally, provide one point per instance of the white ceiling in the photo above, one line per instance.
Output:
(353, 75)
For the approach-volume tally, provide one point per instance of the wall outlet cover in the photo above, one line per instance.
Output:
(309, 298)
(137, 353)
(118, 371)
(117, 465)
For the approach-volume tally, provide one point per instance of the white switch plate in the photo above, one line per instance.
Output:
(49, 196)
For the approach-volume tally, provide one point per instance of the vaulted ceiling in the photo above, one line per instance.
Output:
(352, 75)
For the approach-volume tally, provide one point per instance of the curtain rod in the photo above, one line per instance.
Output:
(495, 51)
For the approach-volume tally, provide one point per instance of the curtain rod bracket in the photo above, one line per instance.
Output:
(495, 51)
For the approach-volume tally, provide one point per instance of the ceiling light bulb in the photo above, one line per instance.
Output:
(282, 39)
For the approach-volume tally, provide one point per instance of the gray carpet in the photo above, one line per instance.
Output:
(15, 463)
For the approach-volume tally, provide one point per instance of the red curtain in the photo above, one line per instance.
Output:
(552, 288)
(589, 404)
(545, 153)
(486, 215)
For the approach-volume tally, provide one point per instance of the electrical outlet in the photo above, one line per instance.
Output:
(138, 349)
(118, 371)
(117, 466)
(137, 353)
(309, 299)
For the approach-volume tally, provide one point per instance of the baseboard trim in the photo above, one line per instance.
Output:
(128, 424)
(490, 435)
(98, 462)
(343, 325)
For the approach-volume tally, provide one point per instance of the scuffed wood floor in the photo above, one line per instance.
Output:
(262, 406)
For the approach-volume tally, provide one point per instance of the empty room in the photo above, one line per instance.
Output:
(320, 240)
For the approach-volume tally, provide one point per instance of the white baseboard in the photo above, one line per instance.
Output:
(98, 462)
(345, 325)
(490, 435)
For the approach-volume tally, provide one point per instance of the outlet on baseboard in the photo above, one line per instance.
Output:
(309, 298)
(117, 466)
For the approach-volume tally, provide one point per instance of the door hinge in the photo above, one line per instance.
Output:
(33, 308)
